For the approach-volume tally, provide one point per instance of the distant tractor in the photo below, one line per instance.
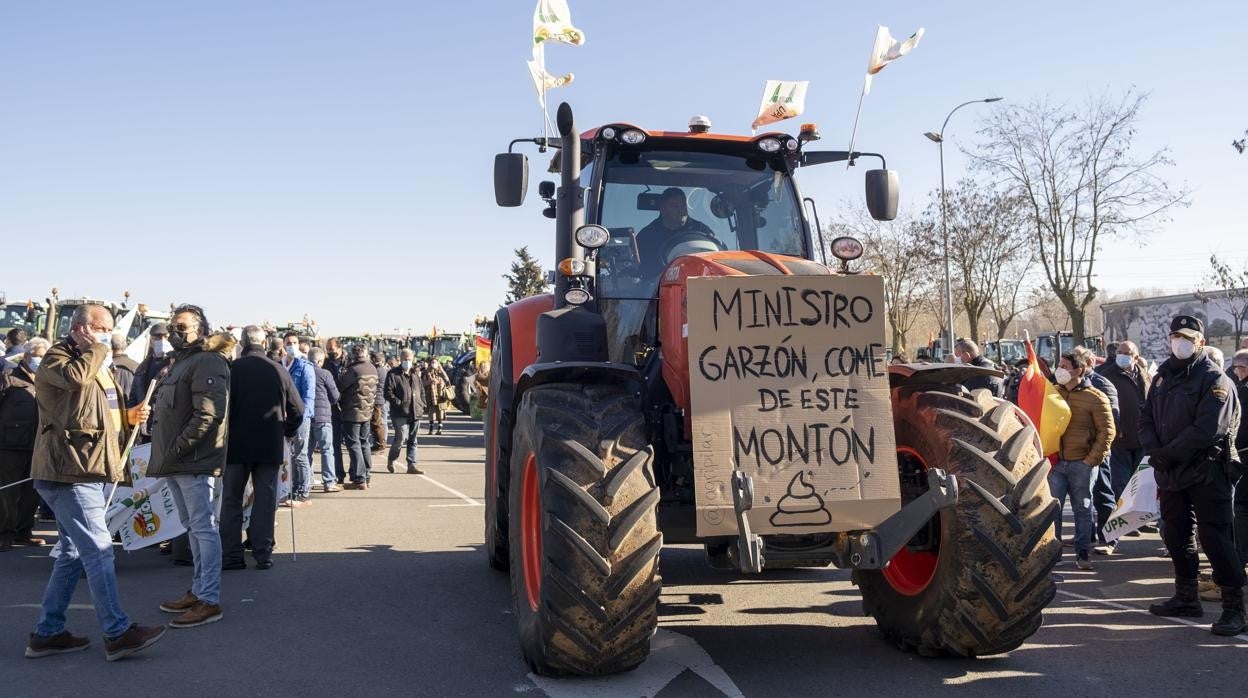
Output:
(590, 450)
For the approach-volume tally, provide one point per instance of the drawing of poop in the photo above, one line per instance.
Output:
(800, 506)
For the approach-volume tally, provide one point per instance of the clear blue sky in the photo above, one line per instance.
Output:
(270, 159)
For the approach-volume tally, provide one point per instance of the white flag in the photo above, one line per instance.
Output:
(542, 79)
(144, 515)
(782, 99)
(886, 50)
(552, 21)
(123, 325)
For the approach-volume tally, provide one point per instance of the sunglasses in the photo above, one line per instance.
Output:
(182, 327)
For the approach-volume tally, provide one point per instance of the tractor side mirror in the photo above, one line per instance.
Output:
(882, 192)
(511, 178)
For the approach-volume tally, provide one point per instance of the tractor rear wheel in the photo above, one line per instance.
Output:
(982, 576)
(584, 533)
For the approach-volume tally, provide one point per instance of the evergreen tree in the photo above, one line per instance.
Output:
(526, 277)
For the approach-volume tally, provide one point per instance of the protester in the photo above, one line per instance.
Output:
(76, 395)
(1240, 500)
(264, 407)
(435, 382)
(335, 363)
(1083, 447)
(380, 407)
(1186, 430)
(304, 377)
(152, 368)
(327, 397)
(404, 392)
(966, 351)
(1131, 387)
(358, 385)
(483, 384)
(14, 341)
(19, 420)
(1103, 499)
(123, 366)
(189, 433)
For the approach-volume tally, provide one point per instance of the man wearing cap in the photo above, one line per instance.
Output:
(1187, 429)
(672, 223)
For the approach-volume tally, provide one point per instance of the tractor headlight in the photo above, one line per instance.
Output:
(846, 249)
(592, 236)
(572, 267)
(633, 137)
(577, 296)
(769, 145)
(608, 133)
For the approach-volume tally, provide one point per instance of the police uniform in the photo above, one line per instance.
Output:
(1187, 427)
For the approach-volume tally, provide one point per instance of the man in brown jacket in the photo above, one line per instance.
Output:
(1084, 446)
(83, 421)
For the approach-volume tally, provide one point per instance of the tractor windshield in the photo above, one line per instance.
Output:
(661, 204)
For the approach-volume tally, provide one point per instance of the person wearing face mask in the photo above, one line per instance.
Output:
(966, 352)
(327, 397)
(335, 362)
(19, 419)
(1083, 447)
(1187, 430)
(304, 376)
(1131, 385)
(359, 386)
(404, 393)
(152, 367)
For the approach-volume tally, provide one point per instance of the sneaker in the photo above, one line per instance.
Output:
(413, 470)
(199, 614)
(284, 504)
(181, 605)
(60, 643)
(1104, 549)
(1209, 590)
(29, 540)
(300, 503)
(390, 466)
(264, 564)
(361, 485)
(331, 488)
(1083, 563)
(136, 638)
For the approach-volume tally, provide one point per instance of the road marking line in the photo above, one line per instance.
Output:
(453, 506)
(455, 492)
(1133, 609)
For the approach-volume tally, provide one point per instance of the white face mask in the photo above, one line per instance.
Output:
(1063, 376)
(1182, 348)
(160, 347)
(104, 337)
(292, 350)
(406, 365)
(1123, 361)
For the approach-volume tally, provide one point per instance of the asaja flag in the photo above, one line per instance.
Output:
(1040, 401)
(145, 514)
(1137, 506)
(552, 21)
(886, 50)
(484, 347)
(782, 99)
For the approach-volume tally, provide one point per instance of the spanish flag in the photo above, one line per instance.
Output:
(483, 346)
(1041, 402)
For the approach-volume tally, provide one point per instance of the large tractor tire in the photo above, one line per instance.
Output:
(498, 434)
(979, 586)
(584, 533)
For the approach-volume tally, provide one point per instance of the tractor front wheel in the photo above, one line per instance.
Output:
(584, 534)
(974, 583)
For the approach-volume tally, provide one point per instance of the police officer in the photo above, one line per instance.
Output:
(1187, 429)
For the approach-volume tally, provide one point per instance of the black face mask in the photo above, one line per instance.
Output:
(177, 339)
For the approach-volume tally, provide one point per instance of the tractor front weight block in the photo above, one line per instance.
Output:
(871, 550)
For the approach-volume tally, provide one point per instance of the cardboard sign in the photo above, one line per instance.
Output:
(789, 384)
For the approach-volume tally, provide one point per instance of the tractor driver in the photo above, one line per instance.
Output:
(655, 241)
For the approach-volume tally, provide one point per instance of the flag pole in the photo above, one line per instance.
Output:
(853, 134)
(125, 454)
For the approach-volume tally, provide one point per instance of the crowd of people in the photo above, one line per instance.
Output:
(218, 411)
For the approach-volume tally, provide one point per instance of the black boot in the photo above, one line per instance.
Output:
(1232, 620)
(1185, 603)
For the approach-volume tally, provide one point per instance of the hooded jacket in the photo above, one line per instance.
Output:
(19, 412)
(77, 440)
(1189, 412)
(358, 385)
(189, 426)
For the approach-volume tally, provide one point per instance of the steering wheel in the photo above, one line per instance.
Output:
(688, 243)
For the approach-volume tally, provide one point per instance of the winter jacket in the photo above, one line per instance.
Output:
(381, 381)
(123, 373)
(358, 385)
(265, 407)
(327, 397)
(189, 427)
(405, 393)
(1091, 428)
(1187, 416)
(77, 440)
(1103, 384)
(148, 371)
(1131, 389)
(302, 373)
(335, 368)
(994, 384)
(19, 411)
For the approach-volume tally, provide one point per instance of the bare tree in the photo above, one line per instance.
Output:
(987, 233)
(1242, 144)
(1228, 289)
(1010, 299)
(896, 250)
(1081, 182)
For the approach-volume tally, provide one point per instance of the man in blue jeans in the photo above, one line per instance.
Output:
(302, 373)
(189, 449)
(1083, 446)
(83, 420)
(327, 397)
(405, 394)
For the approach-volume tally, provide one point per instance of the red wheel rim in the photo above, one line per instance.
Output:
(909, 572)
(531, 531)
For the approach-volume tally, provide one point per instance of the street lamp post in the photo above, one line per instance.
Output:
(939, 140)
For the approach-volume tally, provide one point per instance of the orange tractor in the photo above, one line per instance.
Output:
(590, 463)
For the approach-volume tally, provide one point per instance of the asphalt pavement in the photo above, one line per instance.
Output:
(390, 594)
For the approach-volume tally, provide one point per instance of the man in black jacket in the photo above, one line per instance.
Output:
(335, 362)
(19, 420)
(159, 352)
(1128, 379)
(406, 396)
(967, 352)
(1187, 429)
(265, 408)
(358, 385)
(326, 405)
